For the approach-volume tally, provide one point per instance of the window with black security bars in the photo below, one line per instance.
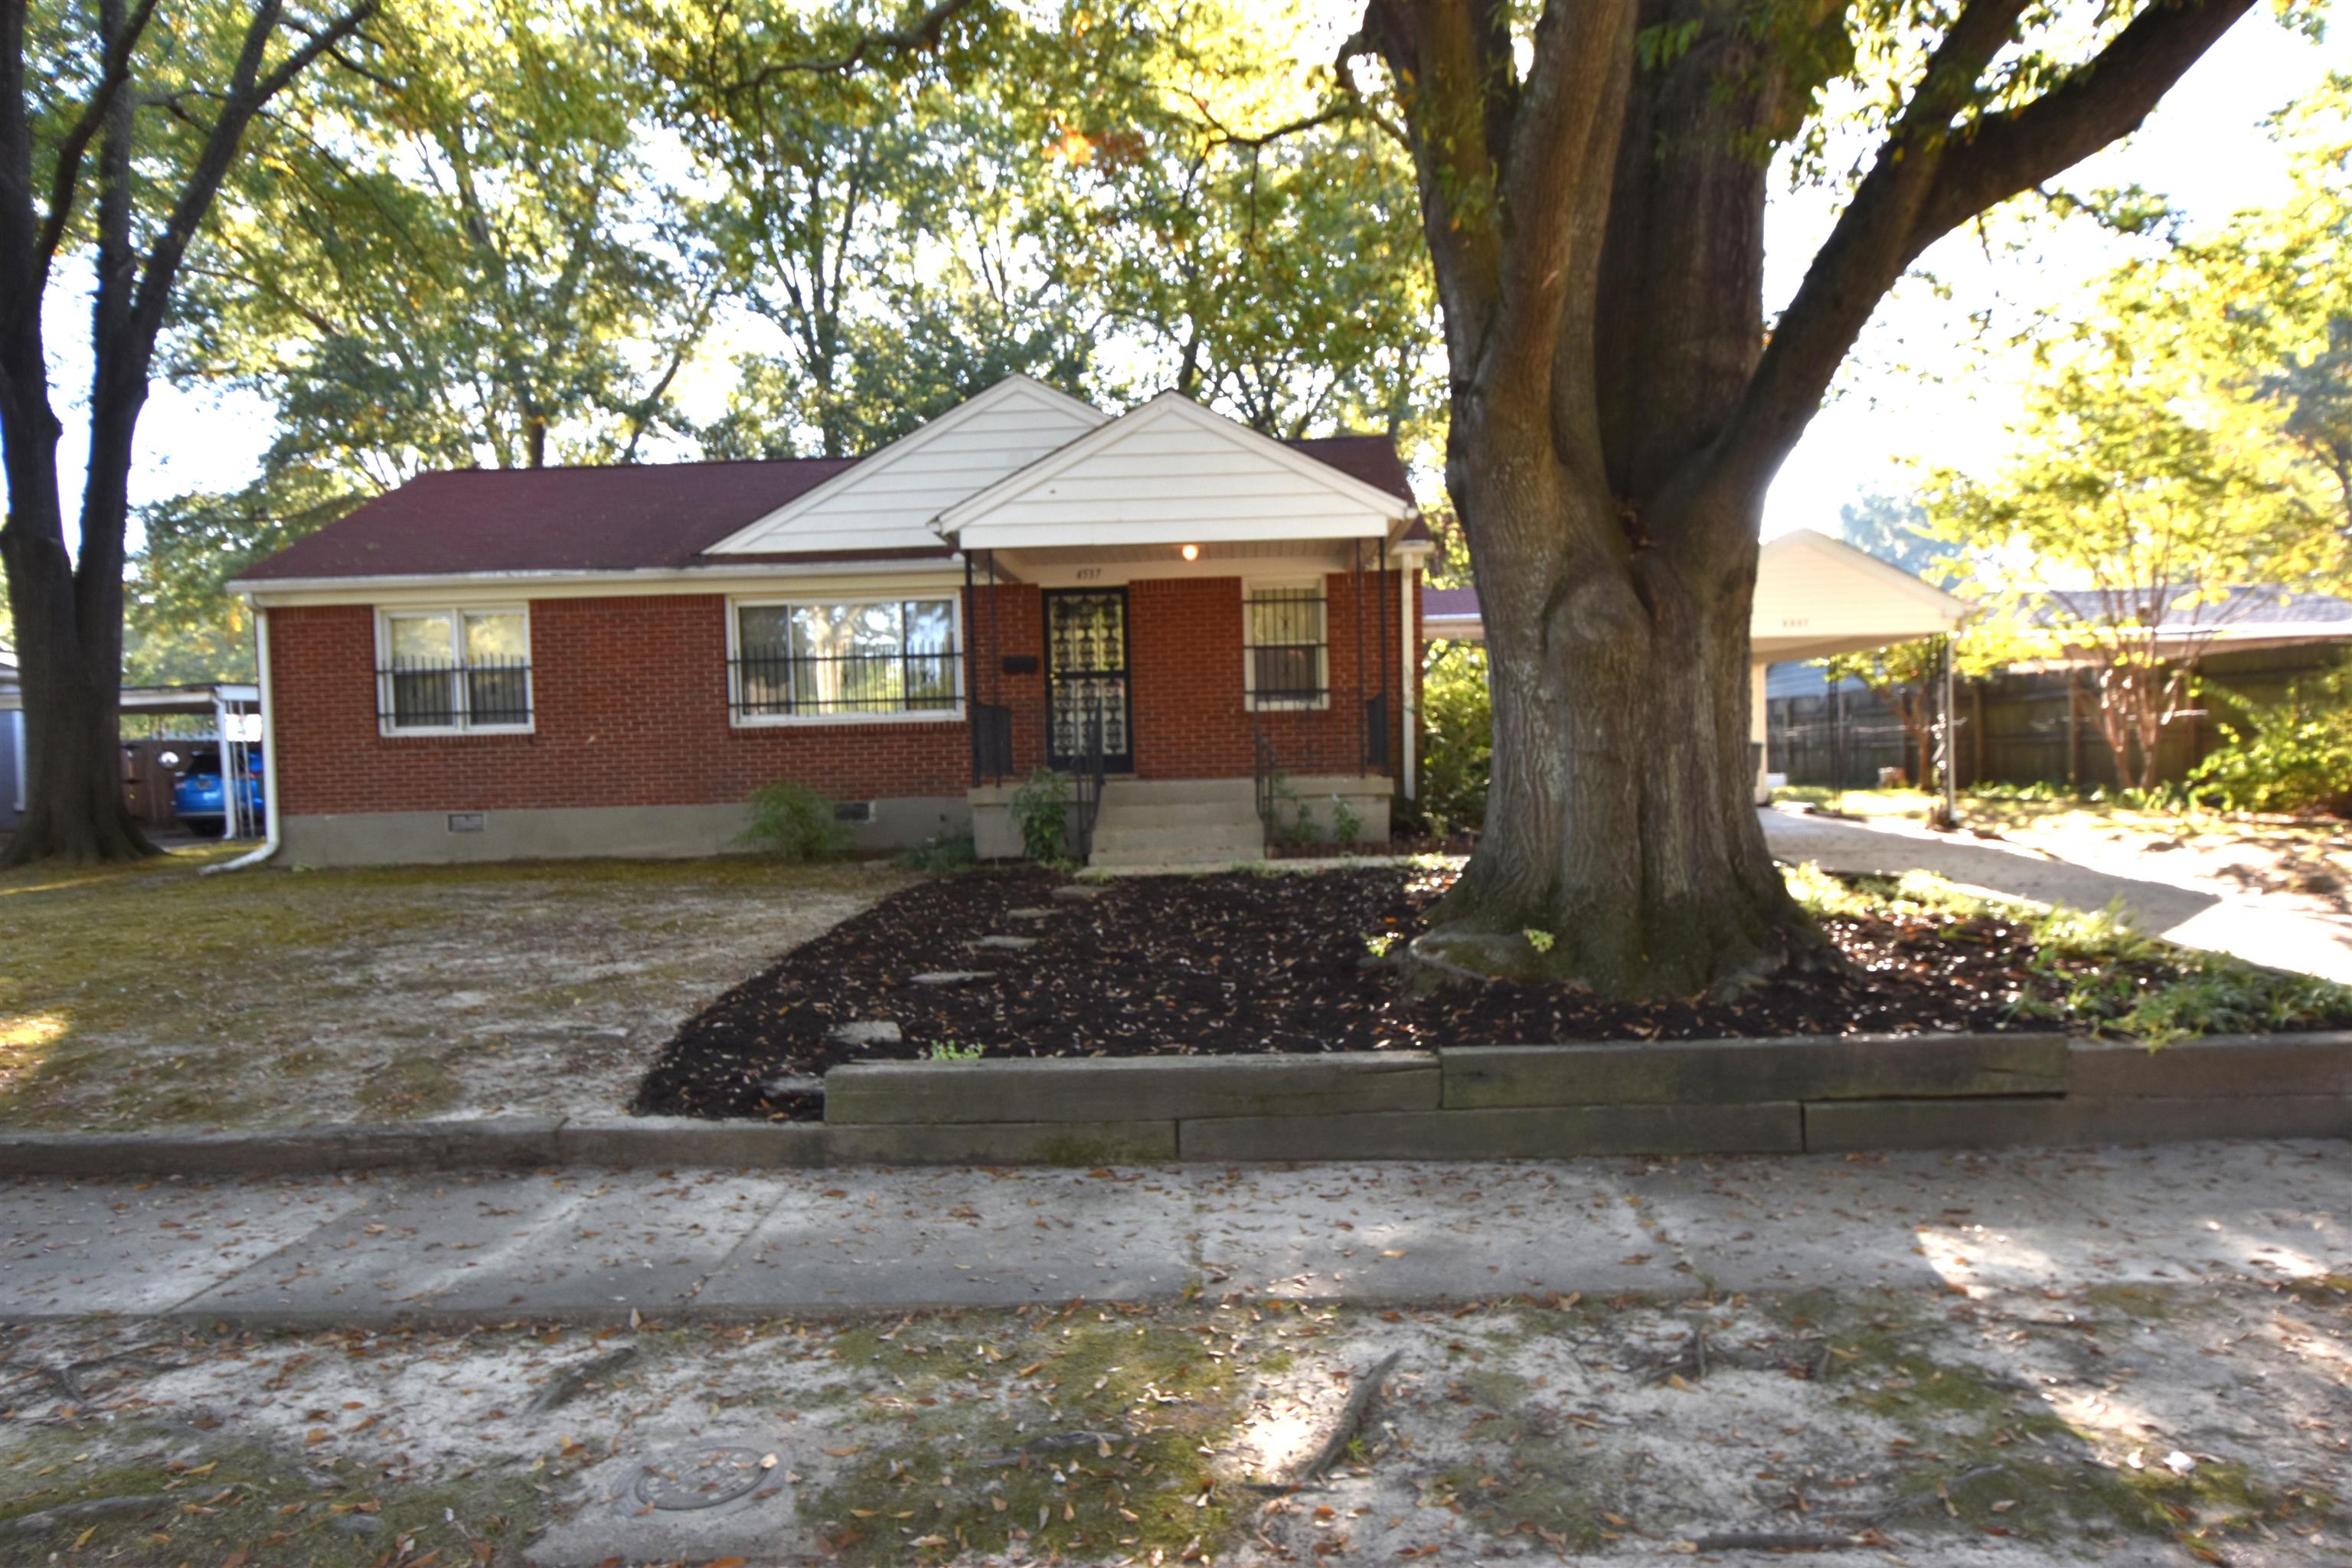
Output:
(1287, 659)
(453, 669)
(844, 660)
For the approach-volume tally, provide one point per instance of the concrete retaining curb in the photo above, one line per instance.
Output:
(1459, 1102)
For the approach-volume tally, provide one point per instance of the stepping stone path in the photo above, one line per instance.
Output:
(1080, 892)
(792, 1083)
(866, 1031)
(950, 976)
(1008, 944)
(1030, 914)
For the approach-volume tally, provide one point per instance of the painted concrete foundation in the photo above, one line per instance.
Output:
(430, 837)
(1214, 821)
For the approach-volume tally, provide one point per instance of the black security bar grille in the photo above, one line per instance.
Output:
(1283, 631)
(776, 683)
(423, 694)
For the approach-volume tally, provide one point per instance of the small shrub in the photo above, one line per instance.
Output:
(2295, 754)
(941, 855)
(793, 821)
(1346, 826)
(1541, 941)
(1294, 824)
(1041, 811)
(953, 1051)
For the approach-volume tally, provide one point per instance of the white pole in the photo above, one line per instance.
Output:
(270, 818)
(229, 823)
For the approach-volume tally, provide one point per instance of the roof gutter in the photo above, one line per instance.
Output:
(269, 771)
(259, 588)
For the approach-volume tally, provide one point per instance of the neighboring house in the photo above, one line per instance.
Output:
(592, 661)
(1815, 597)
(13, 782)
(2034, 722)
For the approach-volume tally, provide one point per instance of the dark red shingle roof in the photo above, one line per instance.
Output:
(640, 517)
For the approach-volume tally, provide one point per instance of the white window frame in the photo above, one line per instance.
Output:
(1250, 701)
(389, 727)
(738, 719)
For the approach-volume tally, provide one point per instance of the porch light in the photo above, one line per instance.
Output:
(1191, 552)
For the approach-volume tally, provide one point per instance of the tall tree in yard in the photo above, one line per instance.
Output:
(119, 122)
(1593, 184)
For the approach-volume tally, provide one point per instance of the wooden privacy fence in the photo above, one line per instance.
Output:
(2033, 728)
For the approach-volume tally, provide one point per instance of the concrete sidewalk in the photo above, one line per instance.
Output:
(2164, 896)
(593, 1245)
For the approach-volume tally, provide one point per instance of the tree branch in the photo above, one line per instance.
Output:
(1932, 176)
(248, 92)
(68, 175)
(923, 33)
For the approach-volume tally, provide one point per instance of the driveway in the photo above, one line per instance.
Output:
(2170, 895)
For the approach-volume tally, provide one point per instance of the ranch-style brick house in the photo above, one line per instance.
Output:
(1183, 615)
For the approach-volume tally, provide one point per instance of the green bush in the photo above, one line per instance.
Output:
(1041, 811)
(1458, 750)
(793, 821)
(2295, 754)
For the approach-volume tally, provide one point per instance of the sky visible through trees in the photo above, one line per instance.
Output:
(1924, 384)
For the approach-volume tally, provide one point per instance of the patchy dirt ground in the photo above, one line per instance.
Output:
(2127, 1425)
(150, 995)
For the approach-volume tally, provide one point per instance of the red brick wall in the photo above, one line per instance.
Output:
(630, 706)
(630, 709)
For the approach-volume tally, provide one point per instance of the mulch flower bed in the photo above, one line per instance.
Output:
(1243, 962)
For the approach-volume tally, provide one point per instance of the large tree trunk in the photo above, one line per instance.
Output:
(1596, 233)
(74, 807)
(1621, 822)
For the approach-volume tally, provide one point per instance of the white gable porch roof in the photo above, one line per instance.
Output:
(888, 501)
(1171, 472)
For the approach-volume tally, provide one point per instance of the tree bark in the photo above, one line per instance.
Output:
(69, 613)
(1596, 235)
(1621, 824)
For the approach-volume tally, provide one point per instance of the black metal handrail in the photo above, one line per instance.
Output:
(1086, 804)
(992, 741)
(1264, 772)
(423, 694)
(1376, 734)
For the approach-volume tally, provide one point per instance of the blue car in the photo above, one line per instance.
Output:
(201, 803)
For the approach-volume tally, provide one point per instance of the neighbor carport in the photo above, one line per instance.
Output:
(1815, 597)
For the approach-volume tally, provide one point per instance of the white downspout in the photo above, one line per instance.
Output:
(1408, 665)
(270, 764)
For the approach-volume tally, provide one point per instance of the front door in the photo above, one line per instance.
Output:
(1086, 675)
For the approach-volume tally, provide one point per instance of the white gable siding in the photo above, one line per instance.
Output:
(887, 501)
(1173, 474)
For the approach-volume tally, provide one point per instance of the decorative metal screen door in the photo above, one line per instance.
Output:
(1086, 673)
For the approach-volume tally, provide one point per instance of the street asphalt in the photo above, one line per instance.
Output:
(593, 1246)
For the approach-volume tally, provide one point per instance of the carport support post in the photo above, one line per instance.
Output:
(229, 823)
(1951, 743)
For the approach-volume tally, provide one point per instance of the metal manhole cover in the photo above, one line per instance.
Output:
(702, 1478)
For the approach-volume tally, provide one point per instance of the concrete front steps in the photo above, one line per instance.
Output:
(1177, 822)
